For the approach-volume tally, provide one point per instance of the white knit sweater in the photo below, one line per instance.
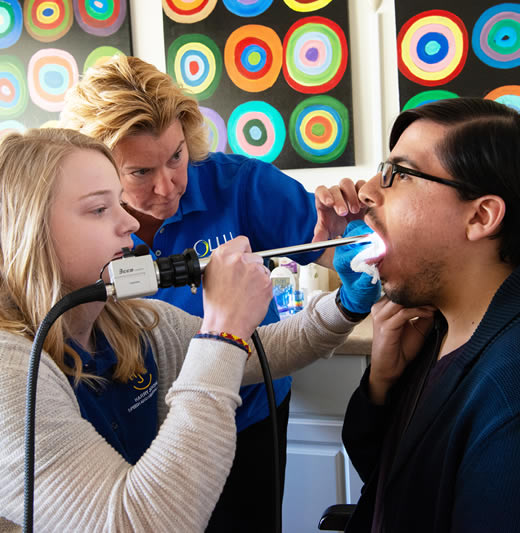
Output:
(83, 484)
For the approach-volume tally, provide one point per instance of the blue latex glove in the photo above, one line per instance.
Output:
(357, 293)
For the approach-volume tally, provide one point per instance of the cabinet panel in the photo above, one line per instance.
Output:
(315, 479)
(324, 388)
(319, 472)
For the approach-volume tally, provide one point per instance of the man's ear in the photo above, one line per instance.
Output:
(486, 215)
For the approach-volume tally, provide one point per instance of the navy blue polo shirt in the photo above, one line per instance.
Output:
(230, 195)
(125, 414)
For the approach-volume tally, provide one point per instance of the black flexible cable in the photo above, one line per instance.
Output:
(93, 293)
(97, 292)
(268, 380)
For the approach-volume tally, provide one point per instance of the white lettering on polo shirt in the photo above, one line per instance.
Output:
(144, 396)
(203, 247)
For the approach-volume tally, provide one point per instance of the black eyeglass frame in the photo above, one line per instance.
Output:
(411, 172)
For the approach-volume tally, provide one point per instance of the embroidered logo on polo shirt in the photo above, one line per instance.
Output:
(203, 247)
(144, 384)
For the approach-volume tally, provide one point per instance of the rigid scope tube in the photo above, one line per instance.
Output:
(300, 248)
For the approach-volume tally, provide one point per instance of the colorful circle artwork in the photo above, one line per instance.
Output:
(11, 22)
(100, 17)
(217, 129)
(256, 129)
(319, 128)
(188, 11)
(13, 87)
(306, 5)
(253, 57)
(50, 74)
(247, 8)
(100, 55)
(432, 47)
(507, 94)
(425, 97)
(11, 126)
(496, 36)
(47, 20)
(315, 55)
(195, 63)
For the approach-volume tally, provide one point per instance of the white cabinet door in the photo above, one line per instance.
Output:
(318, 472)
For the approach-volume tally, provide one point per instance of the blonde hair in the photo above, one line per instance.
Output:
(127, 96)
(31, 280)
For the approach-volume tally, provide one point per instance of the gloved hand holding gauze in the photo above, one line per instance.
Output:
(361, 286)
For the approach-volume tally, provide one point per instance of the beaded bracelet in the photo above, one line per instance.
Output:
(225, 337)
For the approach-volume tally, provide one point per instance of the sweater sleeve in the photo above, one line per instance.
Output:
(300, 340)
(83, 484)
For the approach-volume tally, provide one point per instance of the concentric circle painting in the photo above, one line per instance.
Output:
(432, 47)
(46, 20)
(11, 22)
(189, 11)
(50, 74)
(507, 94)
(195, 63)
(315, 55)
(496, 36)
(13, 87)
(256, 128)
(253, 57)
(100, 17)
(273, 78)
(319, 128)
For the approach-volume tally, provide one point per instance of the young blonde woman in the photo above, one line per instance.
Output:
(135, 420)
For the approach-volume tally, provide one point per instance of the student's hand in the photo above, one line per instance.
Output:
(237, 289)
(399, 334)
(336, 207)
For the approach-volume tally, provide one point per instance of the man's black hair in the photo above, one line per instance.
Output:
(481, 149)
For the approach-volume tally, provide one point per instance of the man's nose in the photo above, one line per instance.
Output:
(370, 192)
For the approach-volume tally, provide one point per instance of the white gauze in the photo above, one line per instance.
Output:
(375, 249)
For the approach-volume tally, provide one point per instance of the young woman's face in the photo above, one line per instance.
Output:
(88, 224)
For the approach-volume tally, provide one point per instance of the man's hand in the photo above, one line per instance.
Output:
(399, 334)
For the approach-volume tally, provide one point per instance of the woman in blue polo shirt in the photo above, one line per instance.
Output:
(185, 197)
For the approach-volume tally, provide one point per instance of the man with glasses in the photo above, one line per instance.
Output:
(434, 427)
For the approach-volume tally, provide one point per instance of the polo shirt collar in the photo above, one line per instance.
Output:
(192, 199)
(102, 362)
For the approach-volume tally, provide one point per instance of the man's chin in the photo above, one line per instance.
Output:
(404, 297)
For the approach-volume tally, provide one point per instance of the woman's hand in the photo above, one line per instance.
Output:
(399, 334)
(336, 206)
(237, 289)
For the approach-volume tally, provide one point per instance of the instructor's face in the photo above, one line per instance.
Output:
(154, 171)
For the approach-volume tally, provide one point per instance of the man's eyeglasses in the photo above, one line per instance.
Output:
(389, 170)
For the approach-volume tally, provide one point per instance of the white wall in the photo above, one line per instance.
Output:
(373, 60)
